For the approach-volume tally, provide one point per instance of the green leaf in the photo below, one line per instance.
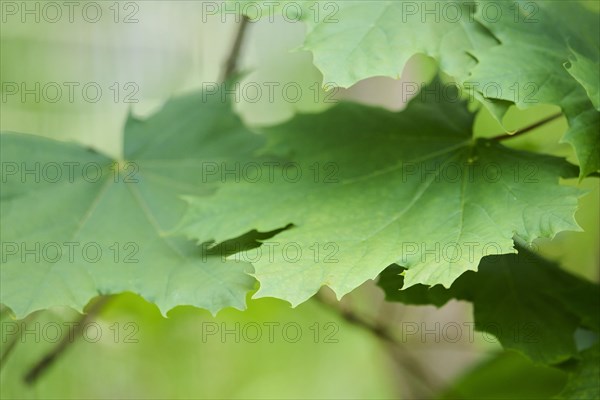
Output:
(585, 70)
(524, 52)
(584, 383)
(354, 40)
(507, 375)
(529, 304)
(116, 212)
(548, 53)
(366, 187)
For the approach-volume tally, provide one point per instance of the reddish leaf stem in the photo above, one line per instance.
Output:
(526, 129)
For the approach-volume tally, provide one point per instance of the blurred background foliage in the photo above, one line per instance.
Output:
(171, 50)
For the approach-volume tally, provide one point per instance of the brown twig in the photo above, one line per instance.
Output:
(232, 61)
(396, 349)
(526, 129)
(50, 358)
(8, 348)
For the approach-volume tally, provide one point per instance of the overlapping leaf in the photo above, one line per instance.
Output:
(367, 187)
(529, 304)
(84, 224)
(584, 383)
(521, 52)
(548, 53)
(353, 40)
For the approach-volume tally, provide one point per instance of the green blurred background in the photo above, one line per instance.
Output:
(171, 50)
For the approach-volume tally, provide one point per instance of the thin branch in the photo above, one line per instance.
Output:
(529, 128)
(232, 61)
(8, 348)
(76, 329)
(397, 349)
